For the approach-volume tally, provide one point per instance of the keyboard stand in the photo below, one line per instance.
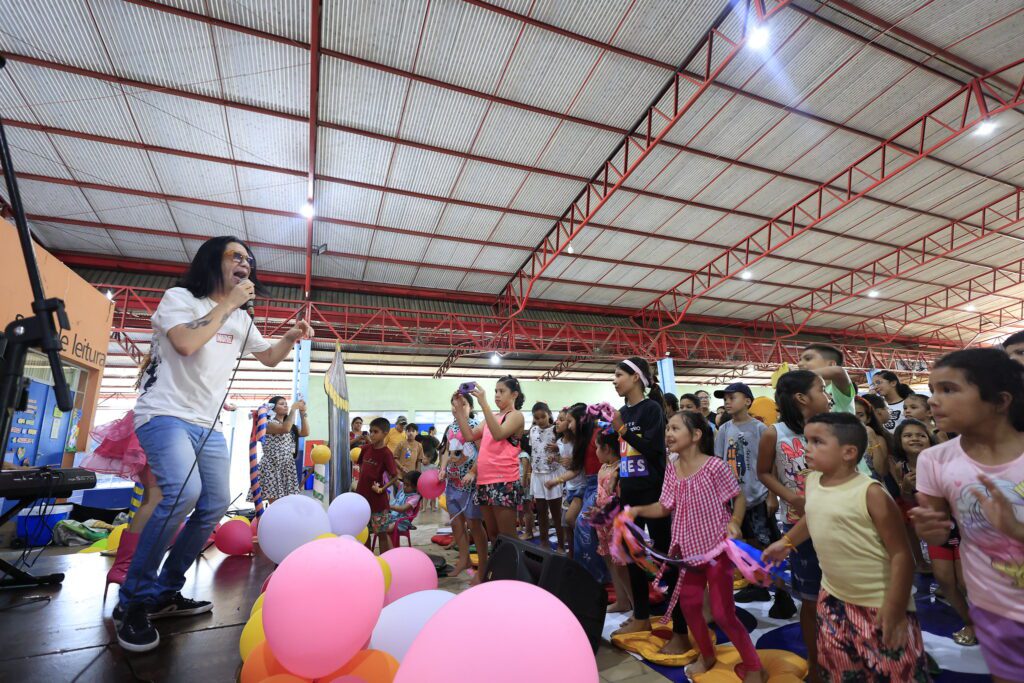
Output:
(19, 578)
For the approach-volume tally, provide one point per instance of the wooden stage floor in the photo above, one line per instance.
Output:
(71, 638)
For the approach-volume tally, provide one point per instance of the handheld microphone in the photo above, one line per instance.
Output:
(250, 307)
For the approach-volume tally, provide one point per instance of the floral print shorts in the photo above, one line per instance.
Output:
(505, 494)
(379, 522)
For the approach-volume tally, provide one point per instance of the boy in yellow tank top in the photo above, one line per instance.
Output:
(867, 627)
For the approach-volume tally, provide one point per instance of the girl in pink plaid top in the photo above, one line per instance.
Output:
(697, 493)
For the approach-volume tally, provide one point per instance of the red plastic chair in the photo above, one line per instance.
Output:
(396, 534)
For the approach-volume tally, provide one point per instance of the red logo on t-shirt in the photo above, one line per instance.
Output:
(225, 338)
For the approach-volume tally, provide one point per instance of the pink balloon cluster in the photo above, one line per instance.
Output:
(327, 617)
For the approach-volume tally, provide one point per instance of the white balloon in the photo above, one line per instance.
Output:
(401, 621)
(290, 522)
(349, 514)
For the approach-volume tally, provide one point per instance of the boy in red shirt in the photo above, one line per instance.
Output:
(375, 460)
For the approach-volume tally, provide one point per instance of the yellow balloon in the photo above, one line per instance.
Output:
(114, 539)
(354, 453)
(244, 519)
(320, 455)
(443, 502)
(252, 634)
(326, 535)
(363, 535)
(387, 573)
(257, 606)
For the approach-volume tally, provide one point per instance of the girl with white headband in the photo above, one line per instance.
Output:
(641, 427)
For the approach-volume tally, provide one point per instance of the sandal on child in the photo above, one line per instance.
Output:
(650, 650)
(963, 637)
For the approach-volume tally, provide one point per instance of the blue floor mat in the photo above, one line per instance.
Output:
(938, 622)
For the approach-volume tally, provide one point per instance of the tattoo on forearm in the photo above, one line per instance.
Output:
(224, 318)
(196, 324)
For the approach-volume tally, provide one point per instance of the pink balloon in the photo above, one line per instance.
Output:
(429, 485)
(411, 570)
(347, 679)
(322, 605)
(234, 538)
(554, 648)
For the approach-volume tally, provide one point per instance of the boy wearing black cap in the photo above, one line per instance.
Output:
(736, 443)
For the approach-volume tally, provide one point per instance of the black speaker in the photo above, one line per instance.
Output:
(517, 560)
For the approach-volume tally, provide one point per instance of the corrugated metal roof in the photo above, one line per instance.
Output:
(289, 18)
(471, 47)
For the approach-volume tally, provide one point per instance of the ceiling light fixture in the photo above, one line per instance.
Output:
(110, 295)
(307, 210)
(757, 39)
(971, 308)
(570, 249)
(873, 294)
(985, 128)
(746, 275)
(495, 359)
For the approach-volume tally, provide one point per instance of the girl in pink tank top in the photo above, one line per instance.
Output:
(498, 491)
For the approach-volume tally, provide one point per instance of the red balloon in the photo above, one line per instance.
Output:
(255, 526)
(234, 538)
(429, 485)
(266, 582)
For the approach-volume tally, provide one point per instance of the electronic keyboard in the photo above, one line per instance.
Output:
(44, 482)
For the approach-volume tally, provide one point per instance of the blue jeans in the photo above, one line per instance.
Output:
(585, 538)
(170, 444)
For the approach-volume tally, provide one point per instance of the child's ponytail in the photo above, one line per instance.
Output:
(636, 365)
(902, 389)
(789, 385)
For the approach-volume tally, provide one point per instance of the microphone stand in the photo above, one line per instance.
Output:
(40, 331)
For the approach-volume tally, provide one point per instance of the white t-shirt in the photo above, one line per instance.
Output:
(192, 387)
(896, 416)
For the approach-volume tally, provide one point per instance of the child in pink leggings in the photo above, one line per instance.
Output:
(697, 493)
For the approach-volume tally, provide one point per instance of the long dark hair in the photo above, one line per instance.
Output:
(696, 421)
(469, 400)
(902, 389)
(512, 384)
(790, 384)
(204, 275)
(898, 453)
(650, 378)
(874, 424)
(583, 435)
(993, 372)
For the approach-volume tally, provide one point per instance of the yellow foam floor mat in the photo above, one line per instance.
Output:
(782, 666)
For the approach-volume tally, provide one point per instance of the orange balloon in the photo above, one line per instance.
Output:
(260, 664)
(286, 678)
(373, 666)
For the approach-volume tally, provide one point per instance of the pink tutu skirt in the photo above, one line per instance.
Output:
(119, 452)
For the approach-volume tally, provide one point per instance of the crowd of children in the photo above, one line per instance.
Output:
(856, 492)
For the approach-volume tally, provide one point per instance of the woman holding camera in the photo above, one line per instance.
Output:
(498, 488)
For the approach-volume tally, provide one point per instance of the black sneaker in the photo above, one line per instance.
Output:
(179, 606)
(783, 607)
(135, 633)
(752, 593)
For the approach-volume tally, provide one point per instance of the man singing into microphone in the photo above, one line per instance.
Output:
(200, 329)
